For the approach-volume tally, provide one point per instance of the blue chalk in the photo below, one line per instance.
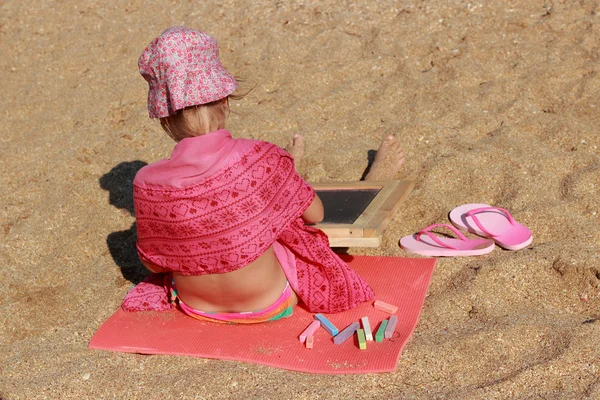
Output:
(326, 324)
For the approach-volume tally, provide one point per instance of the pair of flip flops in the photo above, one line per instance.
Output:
(494, 224)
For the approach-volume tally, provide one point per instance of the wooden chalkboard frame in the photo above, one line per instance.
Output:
(366, 231)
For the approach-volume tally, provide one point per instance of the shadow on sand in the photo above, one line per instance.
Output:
(121, 244)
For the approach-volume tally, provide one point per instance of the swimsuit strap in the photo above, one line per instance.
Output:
(281, 308)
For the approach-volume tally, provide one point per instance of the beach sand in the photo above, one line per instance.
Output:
(494, 102)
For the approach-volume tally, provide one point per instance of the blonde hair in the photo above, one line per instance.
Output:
(196, 120)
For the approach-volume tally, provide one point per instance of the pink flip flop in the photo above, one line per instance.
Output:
(427, 244)
(493, 223)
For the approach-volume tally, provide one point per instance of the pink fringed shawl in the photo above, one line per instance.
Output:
(211, 220)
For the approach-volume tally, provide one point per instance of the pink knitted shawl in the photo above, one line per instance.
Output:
(219, 203)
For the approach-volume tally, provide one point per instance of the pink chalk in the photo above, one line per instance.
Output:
(312, 328)
(310, 340)
(383, 306)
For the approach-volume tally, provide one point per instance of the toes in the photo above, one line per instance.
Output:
(295, 144)
(391, 145)
(388, 140)
(289, 146)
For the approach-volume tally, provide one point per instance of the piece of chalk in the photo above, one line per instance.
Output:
(312, 328)
(310, 340)
(381, 331)
(383, 306)
(326, 324)
(391, 326)
(362, 341)
(346, 333)
(367, 328)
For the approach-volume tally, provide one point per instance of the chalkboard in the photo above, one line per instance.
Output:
(356, 213)
(345, 206)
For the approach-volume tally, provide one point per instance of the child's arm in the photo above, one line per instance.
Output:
(315, 212)
(153, 267)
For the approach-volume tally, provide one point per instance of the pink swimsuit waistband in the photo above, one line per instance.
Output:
(226, 317)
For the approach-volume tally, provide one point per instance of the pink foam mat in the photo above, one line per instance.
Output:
(399, 281)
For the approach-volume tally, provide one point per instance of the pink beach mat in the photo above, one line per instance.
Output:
(399, 281)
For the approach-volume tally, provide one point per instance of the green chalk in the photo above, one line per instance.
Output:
(362, 340)
(381, 331)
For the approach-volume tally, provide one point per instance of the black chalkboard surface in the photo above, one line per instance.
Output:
(345, 206)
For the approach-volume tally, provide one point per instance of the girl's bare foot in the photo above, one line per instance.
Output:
(388, 160)
(296, 147)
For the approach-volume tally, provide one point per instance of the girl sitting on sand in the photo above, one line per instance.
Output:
(226, 218)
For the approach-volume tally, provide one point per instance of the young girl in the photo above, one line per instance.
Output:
(226, 219)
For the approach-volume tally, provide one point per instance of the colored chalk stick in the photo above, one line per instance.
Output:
(326, 324)
(381, 331)
(383, 306)
(312, 328)
(346, 333)
(391, 326)
(310, 340)
(362, 341)
(367, 328)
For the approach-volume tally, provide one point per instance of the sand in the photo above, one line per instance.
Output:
(494, 102)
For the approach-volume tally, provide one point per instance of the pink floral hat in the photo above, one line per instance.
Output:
(182, 68)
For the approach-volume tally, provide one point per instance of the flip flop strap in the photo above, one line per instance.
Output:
(471, 213)
(426, 231)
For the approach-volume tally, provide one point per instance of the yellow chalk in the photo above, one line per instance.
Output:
(362, 340)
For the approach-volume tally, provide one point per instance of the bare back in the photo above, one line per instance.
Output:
(253, 287)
